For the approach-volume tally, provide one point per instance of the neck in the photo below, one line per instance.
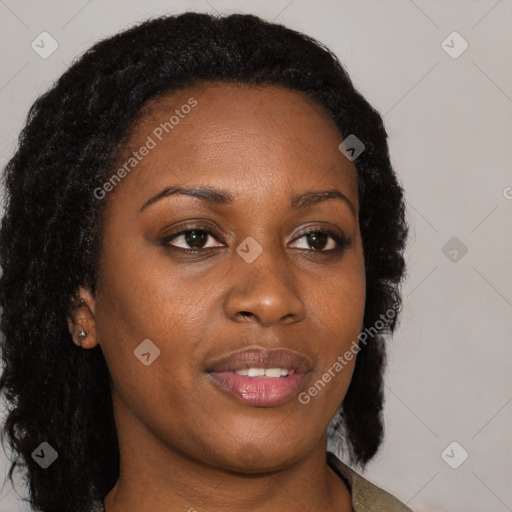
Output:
(155, 477)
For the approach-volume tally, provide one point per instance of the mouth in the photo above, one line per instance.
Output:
(260, 377)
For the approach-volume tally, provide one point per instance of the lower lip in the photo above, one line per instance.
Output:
(263, 392)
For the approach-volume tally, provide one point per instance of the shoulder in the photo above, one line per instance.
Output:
(366, 497)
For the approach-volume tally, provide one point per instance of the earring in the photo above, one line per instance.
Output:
(81, 335)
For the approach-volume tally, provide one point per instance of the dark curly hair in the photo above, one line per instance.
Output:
(52, 227)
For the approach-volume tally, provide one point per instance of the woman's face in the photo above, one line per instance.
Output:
(259, 282)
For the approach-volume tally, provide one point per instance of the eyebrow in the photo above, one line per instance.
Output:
(218, 196)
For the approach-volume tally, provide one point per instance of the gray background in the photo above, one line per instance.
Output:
(449, 123)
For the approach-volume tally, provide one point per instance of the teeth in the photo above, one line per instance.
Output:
(266, 372)
(275, 372)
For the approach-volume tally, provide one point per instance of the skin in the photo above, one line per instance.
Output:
(184, 443)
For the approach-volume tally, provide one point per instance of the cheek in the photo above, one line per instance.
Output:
(136, 301)
(338, 301)
(145, 332)
(140, 296)
(337, 308)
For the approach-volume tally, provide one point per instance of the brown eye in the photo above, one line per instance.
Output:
(192, 238)
(318, 241)
(323, 240)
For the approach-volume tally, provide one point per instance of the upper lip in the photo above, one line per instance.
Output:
(260, 358)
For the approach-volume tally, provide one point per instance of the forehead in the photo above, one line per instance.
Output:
(239, 137)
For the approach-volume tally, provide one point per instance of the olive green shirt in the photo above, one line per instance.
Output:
(366, 497)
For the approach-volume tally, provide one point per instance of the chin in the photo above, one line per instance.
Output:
(252, 459)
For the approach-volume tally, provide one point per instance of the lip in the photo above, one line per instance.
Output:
(260, 358)
(260, 391)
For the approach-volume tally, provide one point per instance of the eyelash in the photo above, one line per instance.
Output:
(341, 241)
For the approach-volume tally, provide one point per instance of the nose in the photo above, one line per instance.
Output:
(264, 291)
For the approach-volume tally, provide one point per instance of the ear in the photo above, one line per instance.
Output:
(80, 319)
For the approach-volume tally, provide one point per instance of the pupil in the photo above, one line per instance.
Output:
(317, 240)
(196, 238)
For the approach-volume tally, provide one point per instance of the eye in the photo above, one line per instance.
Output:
(196, 239)
(318, 239)
(193, 239)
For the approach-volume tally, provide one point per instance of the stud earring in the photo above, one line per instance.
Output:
(81, 335)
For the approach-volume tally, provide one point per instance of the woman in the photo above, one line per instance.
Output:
(202, 251)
